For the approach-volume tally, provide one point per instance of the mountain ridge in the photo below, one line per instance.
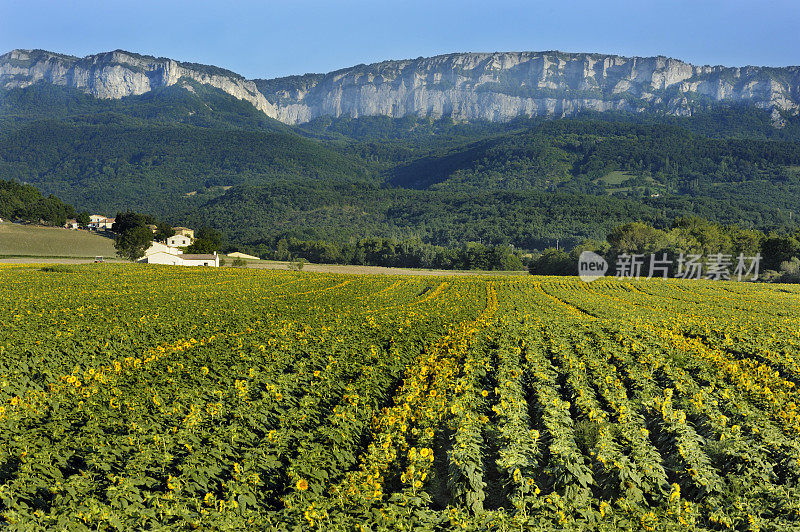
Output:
(492, 86)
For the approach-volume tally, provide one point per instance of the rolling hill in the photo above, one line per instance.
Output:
(34, 241)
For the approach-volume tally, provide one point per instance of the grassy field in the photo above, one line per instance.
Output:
(147, 397)
(616, 177)
(35, 241)
(614, 180)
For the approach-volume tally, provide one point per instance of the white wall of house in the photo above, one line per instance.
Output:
(179, 241)
(161, 257)
(100, 222)
(214, 263)
(155, 247)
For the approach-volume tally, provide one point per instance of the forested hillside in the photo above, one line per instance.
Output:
(199, 156)
(118, 162)
(24, 202)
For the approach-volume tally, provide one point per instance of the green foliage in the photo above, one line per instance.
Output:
(211, 235)
(133, 242)
(223, 399)
(691, 236)
(553, 261)
(59, 268)
(187, 102)
(26, 203)
(83, 218)
(636, 237)
(163, 231)
(114, 164)
(686, 236)
(524, 183)
(124, 221)
(202, 246)
(297, 264)
(393, 253)
(790, 271)
(778, 249)
(576, 155)
(282, 250)
(208, 241)
(238, 262)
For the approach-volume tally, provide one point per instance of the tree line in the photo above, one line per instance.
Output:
(778, 252)
(392, 253)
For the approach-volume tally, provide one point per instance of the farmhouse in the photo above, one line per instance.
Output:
(172, 253)
(98, 222)
(182, 259)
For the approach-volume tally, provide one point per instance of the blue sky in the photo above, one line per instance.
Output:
(269, 38)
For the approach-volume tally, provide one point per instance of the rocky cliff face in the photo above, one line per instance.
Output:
(118, 74)
(469, 86)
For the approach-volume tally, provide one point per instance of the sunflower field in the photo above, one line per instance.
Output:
(162, 398)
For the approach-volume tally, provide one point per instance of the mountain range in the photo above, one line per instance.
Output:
(501, 148)
(496, 86)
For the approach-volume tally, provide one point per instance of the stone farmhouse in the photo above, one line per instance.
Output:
(100, 223)
(172, 253)
(182, 259)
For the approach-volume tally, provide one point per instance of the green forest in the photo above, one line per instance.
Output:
(26, 203)
(657, 251)
(200, 157)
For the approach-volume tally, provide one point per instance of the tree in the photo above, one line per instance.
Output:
(297, 264)
(778, 249)
(282, 250)
(163, 231)
(129, 219)
(208, 241)
(790, 271)
(132, 243)
(636, 237)
(83, 219)
(553, 262)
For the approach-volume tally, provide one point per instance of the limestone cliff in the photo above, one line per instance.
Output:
(466, 86)
(118, 74)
